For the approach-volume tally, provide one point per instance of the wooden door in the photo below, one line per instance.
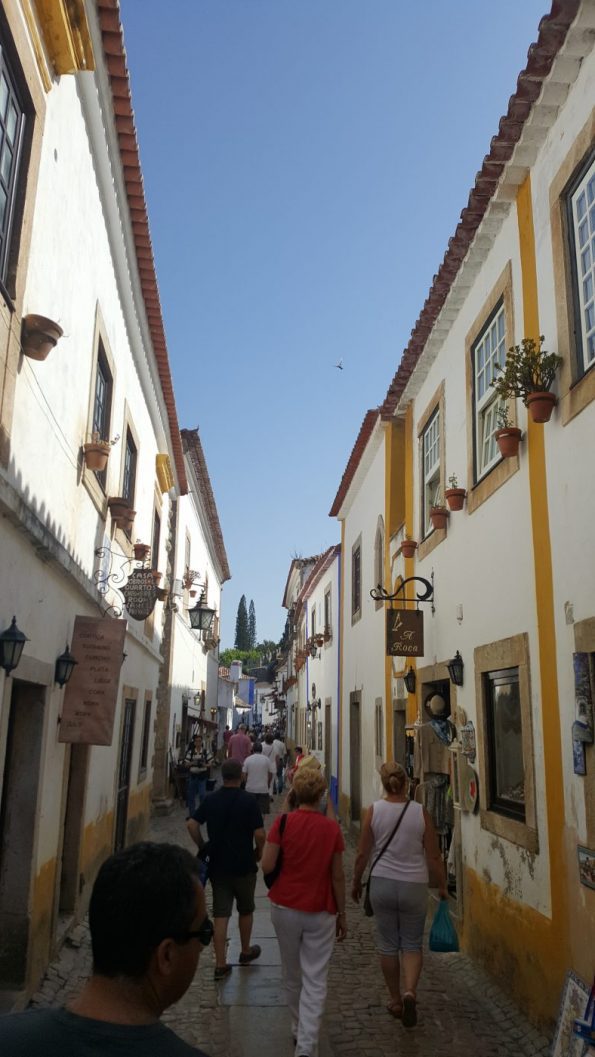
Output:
(124, 768)
(355, 756)
(328, 745)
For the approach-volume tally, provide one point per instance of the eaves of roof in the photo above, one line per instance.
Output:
(192, 446)
(296, 563)
(367, 426)
(317, 573)
(115, 61)
(553, 29)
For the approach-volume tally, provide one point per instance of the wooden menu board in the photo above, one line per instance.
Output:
(91, 694)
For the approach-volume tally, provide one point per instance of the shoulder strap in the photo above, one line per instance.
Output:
(393, 834)
(282, 825)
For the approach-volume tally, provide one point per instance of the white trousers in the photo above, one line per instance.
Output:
(306, 944)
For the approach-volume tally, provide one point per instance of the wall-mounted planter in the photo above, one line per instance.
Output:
(162, 594)
(438, 516)
(157, 577)
(455, 497)
(121, 512)
(408, 548)
(541, 405)
(141, 551)
(39, 336)
(508, 441)
(96, 454)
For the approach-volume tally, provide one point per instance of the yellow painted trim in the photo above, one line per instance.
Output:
(341, 635)
(544, 596)
(388, 477)
(164, 473)
(37, 45)
(66, 34)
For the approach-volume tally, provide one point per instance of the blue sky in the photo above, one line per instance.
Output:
(305, 163)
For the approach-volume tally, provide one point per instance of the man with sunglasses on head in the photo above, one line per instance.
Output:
(148, 923)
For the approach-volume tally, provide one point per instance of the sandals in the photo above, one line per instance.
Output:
(395, 1009)
(252, 954)
(222, 971)
(409, 1017)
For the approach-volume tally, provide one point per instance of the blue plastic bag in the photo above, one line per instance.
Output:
(443, 935)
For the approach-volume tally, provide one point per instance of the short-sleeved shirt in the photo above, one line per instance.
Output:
(309, 843)
(257, 769)
(279, 749)
(231, 816)
(239, 746)
(56, 1032)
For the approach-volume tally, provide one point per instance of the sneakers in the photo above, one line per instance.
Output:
(251, 956)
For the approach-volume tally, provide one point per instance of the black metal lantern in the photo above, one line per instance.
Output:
(12, 644)
(455, 669)
(201, 616)
(313, 650)
(64, 667)
(410, 680)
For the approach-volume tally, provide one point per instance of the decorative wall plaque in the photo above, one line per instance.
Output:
(92, 691)
(140, 594)
(467, 740)
(404, 633)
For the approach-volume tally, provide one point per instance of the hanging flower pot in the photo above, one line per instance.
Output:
(438, 516)
(193, 594)
(156, 576)
(141, 551)
(96, 454)
(541, 405)
(408, 548)
(455, 497)
(161, 594)
(121, 512)
(39, 336)
(508, 440)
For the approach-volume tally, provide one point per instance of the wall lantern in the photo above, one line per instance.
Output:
(213, 713)
(199, 700)
(12, 644)
(313, 650)
(64, 667)
(455, 669)
(201, 616)
(410, 680)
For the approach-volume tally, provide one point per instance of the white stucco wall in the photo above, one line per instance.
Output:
(323, 670)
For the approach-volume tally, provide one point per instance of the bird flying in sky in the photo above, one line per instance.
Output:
(339, 365)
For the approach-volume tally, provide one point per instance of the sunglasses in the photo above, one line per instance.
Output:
(204, 934)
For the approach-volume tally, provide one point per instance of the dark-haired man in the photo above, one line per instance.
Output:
(236, 839)
(148, 923)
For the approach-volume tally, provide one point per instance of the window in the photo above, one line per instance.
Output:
(430, 469)
(313, 621)
(155, 541)
(12, 122)
(129, 478)
(144, 745)
(581, 207)
(102, 404)
(487, 351)
(505, 743)
(356, 581)
(378, 725)
(379, 554)
(327, 612)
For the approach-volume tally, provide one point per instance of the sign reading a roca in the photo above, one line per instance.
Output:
(404, 633)
(140, 594)
(92, 692)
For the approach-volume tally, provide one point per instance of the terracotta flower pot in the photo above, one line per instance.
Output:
(508, 441)
(157, 577)
(455, 497)
(121, 512)
(408, 548)
(541, 405)
(96, 454)
(438, 516)
(141, 551)
(39, 336)
(161, 594)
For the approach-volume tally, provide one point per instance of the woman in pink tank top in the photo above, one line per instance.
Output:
(399, 884)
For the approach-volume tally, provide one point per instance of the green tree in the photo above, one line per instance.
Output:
(252, 624)
(249, 658)
(242, 639)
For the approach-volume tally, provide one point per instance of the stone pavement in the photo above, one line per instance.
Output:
(461, 1011)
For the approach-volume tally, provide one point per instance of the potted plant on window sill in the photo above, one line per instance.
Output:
(455, 496)
(508, 437)
(408, 546)
(438, 513)
(121, 512)
(96, 453)
(529, 373)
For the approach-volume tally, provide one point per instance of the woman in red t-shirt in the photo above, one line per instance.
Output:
(307, 903)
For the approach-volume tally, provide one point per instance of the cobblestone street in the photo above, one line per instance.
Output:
(460, 1010)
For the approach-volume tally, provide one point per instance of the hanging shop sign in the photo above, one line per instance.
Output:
(404, 633)
(140, 594)
(91, 694)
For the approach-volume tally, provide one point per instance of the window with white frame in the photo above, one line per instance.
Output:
(488, 351)
(379, 553)
(430, 447)
(327, 613)
(582, 216)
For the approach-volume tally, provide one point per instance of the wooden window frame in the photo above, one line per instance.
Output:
(16, 178)
(436, 404)
(98, 485)
(356, 609)
(145, 737)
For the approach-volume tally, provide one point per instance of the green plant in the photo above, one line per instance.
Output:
(503, 417)
(453, 481)
(438, 501)
(528, 369)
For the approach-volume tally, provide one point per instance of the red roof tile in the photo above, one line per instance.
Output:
(359, 447)
(193, 447)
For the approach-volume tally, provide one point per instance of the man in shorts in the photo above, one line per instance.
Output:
(148, 923)
(236, 839)
(259, 770)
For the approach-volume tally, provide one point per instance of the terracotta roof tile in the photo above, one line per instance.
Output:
(359, 447)
(192, 446)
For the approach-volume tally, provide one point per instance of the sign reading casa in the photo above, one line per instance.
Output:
(404, 633)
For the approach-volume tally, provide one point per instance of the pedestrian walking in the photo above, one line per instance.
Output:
(280, 754)
(148, 924)
(398, 835)
(196, 761)
(326, 806)
(259, 770)
(240, 745)
(307, 904)
(236, 839)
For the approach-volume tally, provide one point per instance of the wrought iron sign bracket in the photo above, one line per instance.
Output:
(108, 578)
(425, 594)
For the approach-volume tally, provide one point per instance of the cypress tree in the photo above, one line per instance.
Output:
(242, 641)
(252, 624)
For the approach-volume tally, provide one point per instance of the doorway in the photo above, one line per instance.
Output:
(355, 756)
(399, 735)
(18, 813)
(73, 829)
(328, 745)
(124, 769)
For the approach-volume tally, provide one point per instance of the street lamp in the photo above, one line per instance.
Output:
(65, 664)
(455, 669)
(12, 644)
(410, 680)
(201, 616)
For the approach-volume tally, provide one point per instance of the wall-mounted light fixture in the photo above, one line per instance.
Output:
(410, 680)
(201, 615)
(12, 644)
(455, 669)
(65, 664)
